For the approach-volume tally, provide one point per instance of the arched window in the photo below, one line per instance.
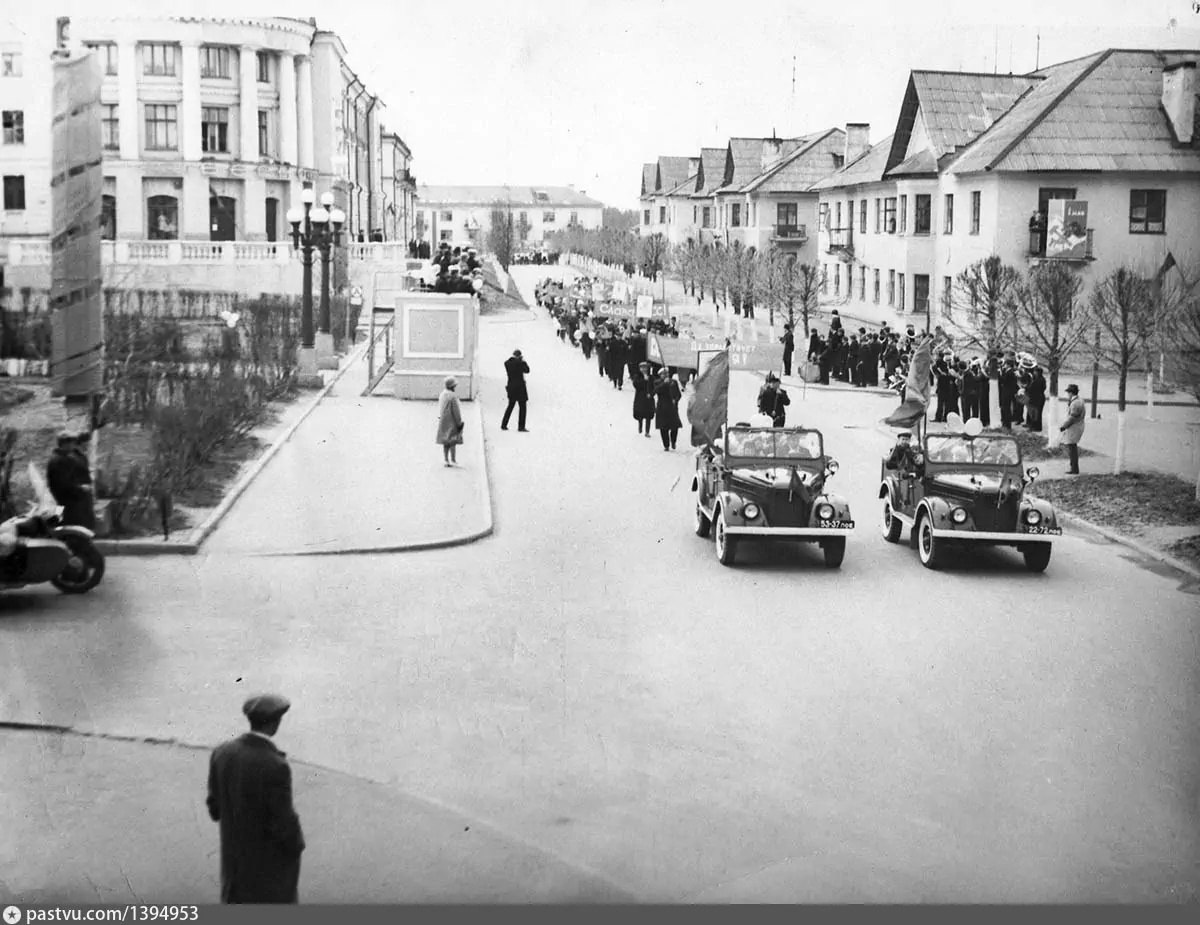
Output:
(162, 215)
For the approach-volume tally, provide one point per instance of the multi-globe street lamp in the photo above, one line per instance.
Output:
(317, 229)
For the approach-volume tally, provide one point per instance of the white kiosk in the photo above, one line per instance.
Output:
(436, 337)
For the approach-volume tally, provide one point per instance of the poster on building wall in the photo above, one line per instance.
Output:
(76, 187)
(1066, 229)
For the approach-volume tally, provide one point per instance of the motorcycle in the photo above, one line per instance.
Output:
(37, 547)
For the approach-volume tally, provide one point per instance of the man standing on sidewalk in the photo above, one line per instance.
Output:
(250, 795)
(1072, 427)
(789, 347)
(518, 396)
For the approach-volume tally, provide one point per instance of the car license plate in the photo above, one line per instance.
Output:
(836, 524)
(1044, 531)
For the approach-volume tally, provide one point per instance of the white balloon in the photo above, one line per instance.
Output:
(973, 427)
(954, 422)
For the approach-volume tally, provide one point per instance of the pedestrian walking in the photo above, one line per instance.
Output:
(450, 422)
(69, 479)
(666, 411)
(250, 796)
(642, 382)
(1072, 427)
(518, 395)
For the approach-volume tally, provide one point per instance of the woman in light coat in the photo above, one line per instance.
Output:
(450, 422)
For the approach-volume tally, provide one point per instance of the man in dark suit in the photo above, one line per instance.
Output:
(518, 395)
(250, 795)
(789, 347)
(69, 479)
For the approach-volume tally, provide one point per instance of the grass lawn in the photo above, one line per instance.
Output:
(1033, 445)
(1148, 505)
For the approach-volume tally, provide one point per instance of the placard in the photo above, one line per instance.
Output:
(674, 351)
(645, 306)
(758, 357)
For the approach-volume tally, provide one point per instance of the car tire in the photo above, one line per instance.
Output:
(703, 524)
(1037, 556)
(892, 525)
(929, 547)
(725, 544)
(89, 572)
(835, 552)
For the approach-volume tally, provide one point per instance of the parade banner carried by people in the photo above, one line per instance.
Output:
(709, 408)
(763, 358)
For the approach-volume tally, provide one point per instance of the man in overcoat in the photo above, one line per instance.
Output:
(250, 795)
(70, 482)
(1072, 427)
(789, 347)
(518, 395)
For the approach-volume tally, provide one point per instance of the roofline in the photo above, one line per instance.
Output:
(788, 158)
(923, 70)
(1040, 117)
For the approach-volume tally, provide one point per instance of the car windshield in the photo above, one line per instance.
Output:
(979, 451)
(775, 444)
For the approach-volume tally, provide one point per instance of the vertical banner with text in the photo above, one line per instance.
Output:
(76, 183)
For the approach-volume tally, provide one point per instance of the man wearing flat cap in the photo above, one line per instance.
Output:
(1072, 427)
(250, 795)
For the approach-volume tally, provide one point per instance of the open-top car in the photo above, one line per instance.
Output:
(768, 483)
(961, 488)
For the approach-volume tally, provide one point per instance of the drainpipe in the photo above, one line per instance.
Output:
(370, 167)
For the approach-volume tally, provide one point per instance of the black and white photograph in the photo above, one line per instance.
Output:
(617, 453)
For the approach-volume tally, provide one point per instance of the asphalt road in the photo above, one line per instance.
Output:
(592, 682)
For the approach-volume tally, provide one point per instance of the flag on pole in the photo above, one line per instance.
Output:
(708, 409)
(916, 387)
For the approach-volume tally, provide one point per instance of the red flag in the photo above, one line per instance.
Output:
(916, 387)
(708, 409)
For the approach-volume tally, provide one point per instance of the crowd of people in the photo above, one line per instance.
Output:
(459, 270)
(539, 258)
(583, 314)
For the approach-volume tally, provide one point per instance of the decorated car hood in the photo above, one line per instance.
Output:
(780, 477)
(968, 482)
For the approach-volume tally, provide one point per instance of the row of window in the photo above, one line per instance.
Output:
(161, 59)
(162, 128)
(891, 214)
(896, 286)
(548, 217)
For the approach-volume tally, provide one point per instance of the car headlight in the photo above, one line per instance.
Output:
(750, 511)
(1032, 473)
(1033, 517)
(959, 515)
(832, 466)
(825, 511)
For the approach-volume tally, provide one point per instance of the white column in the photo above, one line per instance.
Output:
(304, 110)
(189, 110)
(129, 111)
(287, 108)
(248, 102)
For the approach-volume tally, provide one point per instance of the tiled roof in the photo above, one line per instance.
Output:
(959, 107)
(745, 158)
(685, 188)
(517, 195)
(920, 164)
(866, 168)
(803, 166)
(1102, 112)
(649, 172)
(712, 171)
(672, 171)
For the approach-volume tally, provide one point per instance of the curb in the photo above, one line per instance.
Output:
(462, 539)
(1123, 540)
(199, 534)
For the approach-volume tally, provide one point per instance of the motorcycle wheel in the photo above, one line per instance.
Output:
(82, 577)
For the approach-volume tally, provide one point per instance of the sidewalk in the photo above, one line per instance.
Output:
(76, 802)
(385, 487)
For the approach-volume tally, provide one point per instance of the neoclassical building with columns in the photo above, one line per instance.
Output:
(211, 128)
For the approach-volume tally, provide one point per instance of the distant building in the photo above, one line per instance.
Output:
(462, 214)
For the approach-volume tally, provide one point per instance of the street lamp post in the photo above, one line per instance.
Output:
(312, 229)
(326, 243)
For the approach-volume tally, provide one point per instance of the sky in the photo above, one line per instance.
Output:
(583, 92)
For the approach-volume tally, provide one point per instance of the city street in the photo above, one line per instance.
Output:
(590, 684)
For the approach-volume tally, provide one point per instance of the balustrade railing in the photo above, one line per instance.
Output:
(32, 252)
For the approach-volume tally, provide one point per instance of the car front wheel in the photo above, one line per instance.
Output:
(928, 546)
(892, 525)
(1037, 556)
(835, 552)
(726, 544)
(703, 524)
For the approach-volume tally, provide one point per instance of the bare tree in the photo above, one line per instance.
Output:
(1053, 324)
(1127, 314)
(809, 280)
(983, 303)
(502, 235)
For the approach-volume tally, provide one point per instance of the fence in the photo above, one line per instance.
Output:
(381, 337)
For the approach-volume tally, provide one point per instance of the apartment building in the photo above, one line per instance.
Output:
(1095, 162)
(463, 214)
(211, 127)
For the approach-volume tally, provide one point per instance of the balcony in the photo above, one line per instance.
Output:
(840, 239)
(794, 233)
(1080, 253)
(33, 252)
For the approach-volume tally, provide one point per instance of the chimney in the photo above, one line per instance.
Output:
(858, 139)
(1179, 99)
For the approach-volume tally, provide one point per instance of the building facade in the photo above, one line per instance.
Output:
(211, 127)
(463, 214)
